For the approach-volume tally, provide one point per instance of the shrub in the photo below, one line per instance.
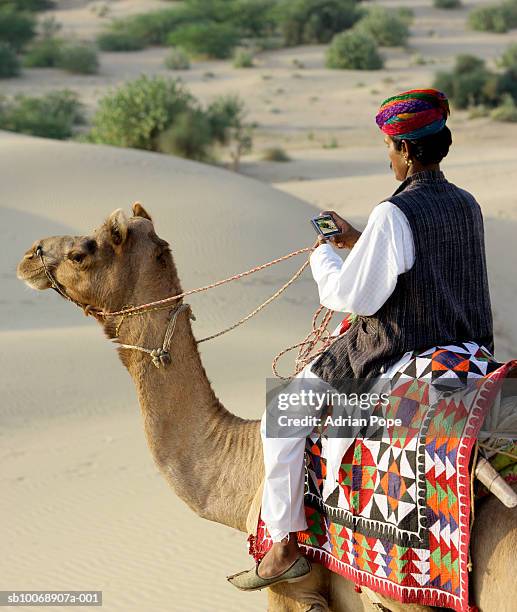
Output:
(9, 64)
(406, 14)
(444, 81)
(490, 19)
(353, 51)
(119, 41)
(255, 18)
(268, 43)
(469, 84)
(506, 111)
(137, 113)
(53, 115)
(78, 59)
(31, 5)
(177, 59)
(224, 113)
(468, 63)
(476, 112)
(509, 58)
(158, 114)
(507, 83)
(43, 53)
(227, 115)
(149, 28)
(189, 136)
(16, 28)
(242, 58)
(275, 154)
(447, 4)
(316, 21)
(207, 39)
(385, 26)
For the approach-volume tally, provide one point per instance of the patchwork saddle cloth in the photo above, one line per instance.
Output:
(395, 515)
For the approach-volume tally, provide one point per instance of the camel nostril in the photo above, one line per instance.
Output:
(38, 251)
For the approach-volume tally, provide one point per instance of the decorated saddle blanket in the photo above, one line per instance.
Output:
(398, 513)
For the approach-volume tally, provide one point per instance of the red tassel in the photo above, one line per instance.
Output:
(345, 324)
(252, 549)
(357, 588)
(473, 609)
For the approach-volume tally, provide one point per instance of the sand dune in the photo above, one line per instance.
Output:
(85, 502)
(86, 506)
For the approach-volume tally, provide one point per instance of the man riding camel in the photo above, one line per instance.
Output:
(415, 277)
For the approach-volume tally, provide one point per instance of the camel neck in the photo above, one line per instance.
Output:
(200, 447)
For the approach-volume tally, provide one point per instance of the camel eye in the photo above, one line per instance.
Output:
(76, 256)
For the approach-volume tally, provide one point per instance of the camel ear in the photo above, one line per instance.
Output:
(139, 211)
(117, 226)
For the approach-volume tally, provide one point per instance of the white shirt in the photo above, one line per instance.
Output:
(366, 279)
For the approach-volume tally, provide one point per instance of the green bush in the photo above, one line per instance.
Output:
(78, 59)
(494, 18)
(189, 136)
(385, 26)
(158, 114)
(353, 51)
(43, 53)
(242, 58)
(225, 113)
(477, 112)
(447, 4)
(275, 154)
(16, 28)
(9, 64)
(53, 115)
(119, 41)
(255, 18)
(469, 84)
(507, 83)
(147, 29)
(506, 111)
(177, 59)
(214, 39)
(468, 63)
(406, 14)
(444, 81)
(509, 58)
(138, 112)
(315, 21)
(30, 5)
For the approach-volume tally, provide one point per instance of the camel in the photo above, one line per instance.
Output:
(210, 457)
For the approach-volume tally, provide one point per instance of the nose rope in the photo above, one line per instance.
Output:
(56, 286)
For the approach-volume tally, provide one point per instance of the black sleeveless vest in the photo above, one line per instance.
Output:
(443, 299)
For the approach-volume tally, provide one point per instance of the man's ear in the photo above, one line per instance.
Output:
(117, 227)
(139, 211)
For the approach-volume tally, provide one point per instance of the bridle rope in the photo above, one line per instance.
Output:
(161, 355)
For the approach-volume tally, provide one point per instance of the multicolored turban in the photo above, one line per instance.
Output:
(413, 114)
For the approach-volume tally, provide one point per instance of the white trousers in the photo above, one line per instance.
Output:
(282, 499)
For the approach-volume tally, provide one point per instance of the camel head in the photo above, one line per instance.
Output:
(123, 262)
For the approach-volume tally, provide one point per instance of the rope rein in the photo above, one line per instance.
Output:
(135, 310)
(161, 356)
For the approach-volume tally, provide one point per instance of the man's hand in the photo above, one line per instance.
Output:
(348, 236)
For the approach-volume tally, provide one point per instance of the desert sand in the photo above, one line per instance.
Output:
(83, 505)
